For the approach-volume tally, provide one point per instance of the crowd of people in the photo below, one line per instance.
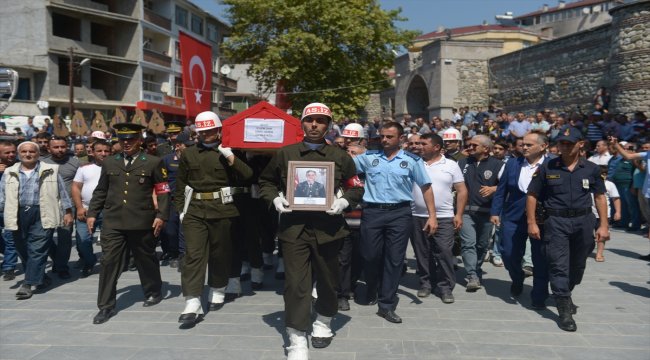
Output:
(534, 193)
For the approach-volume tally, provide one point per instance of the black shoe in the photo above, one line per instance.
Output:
(528, 271)
(565, 320)
(215, 306)
(229, 297)
(65, 274)
(424, 292)
(321, 342)
(165, 257)
(538, 306)
(8, 275)
(390, 316)
(47, 281)
(344, 304)
(78, 264)
(257, 285)
(573, 307)
(152, 300)
(103, 316)
(25, 292)
(86, 272)
(371, 299)
(516, 289)
(188, 321)
(447, 298)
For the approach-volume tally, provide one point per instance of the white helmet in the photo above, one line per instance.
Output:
(316, 109)
(98, 135)
(353, 130)
(451, 134)
(207, 120)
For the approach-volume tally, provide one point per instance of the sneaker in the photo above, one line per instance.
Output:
(473, 284)
(424, 292)
(497, 262)
(447, 298)
(528, 271)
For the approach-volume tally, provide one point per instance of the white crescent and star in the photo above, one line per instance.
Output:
(196, 60)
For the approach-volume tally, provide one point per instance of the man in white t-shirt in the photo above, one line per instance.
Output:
(83, 185)
(435, 260)
(601, 155)
(613, 198)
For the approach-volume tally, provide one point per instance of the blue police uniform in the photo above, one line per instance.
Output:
(172, 239)
(568, 234)
(386, 219)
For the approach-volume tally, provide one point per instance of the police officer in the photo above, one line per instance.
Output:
(207, 169)
(123, 196)
(310, 239)
(386, 220)
(173, 129)
(564, 186)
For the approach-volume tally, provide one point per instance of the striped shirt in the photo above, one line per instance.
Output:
(29, 192)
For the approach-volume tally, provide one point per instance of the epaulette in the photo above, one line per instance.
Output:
(411, 155)
(373, 152)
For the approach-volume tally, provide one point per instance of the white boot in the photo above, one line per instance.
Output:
(297, 349)
(192, 305)
(233, 290)
(321, 333)
(216, 298)
(257, 278)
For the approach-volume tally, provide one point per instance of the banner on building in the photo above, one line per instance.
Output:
(196, 64)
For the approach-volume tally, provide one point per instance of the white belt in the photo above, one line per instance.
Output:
(207, 196)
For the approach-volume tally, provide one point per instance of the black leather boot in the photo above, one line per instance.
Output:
(566, 321)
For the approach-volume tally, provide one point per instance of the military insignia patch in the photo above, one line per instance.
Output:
(487, 174)
(375, 162)
(567, 132)
(141, 181)
(164, 172)
(403, 164)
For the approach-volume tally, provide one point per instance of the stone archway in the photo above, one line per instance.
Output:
(417, 98)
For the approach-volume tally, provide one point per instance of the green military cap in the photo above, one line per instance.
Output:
(128, 130)
(173, 127)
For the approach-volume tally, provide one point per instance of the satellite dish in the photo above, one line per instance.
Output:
(164, 87)
(225, 70)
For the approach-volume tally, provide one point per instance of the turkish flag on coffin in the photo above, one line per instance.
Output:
(196, 61)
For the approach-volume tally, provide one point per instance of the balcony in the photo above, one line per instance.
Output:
(157, 58)
(225, 82)
(152, 17)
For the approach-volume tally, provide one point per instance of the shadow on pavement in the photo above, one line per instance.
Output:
(632, 289)
(625, 253)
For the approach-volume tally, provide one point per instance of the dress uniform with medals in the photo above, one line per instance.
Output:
(310, 239)
(123, 196)
(564, 186)
(204, 198)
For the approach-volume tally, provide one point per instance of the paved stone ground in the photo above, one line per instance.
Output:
(613, 321)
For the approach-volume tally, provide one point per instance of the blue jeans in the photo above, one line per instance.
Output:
(32, 243)
(496, 253)
(84, 240)
(61, 247)
(9, 248)
(475, 237)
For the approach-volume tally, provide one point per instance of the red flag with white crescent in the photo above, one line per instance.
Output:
(196, 64)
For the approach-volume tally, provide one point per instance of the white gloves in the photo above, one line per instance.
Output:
(338, 206)
(226, 152)
(281, 205)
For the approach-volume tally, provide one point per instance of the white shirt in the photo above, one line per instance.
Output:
(88, 175)
(443, 173)
(610, 193)
(526, 174)
(600, 159)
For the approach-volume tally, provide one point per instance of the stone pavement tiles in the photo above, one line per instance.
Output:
(613, 320)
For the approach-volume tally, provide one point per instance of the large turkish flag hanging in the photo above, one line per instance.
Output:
(196, 61)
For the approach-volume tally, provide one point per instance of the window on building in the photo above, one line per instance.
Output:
(178, 87)
(177, 51)
(197, 24)
(147, 42)
(64, 73)
(181, 17)
(24, 91)
(66, 26)
(148, 4)
(215, 95)
(212, 33)
(149, 83)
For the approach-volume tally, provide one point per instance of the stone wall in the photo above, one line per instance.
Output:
(564, 74)
(472, 84)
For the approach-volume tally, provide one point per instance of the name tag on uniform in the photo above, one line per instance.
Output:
(550, 177)
(585, 183)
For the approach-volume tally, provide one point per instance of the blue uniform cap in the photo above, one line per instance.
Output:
(570, 134)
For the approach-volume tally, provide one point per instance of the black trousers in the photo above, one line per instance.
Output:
(567, 244)
(434, 255)
(302, 256)
(349, 264)
(115, 243)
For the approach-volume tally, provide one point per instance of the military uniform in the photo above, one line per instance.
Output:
(305, 232)
(208, 222)
(123, 196)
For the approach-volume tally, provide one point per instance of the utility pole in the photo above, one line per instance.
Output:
(71, 82)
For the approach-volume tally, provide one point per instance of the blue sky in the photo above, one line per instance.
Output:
(427, 15)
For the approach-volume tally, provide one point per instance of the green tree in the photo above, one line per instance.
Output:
(344, 47)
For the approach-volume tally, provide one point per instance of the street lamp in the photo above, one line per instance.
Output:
(71, 69)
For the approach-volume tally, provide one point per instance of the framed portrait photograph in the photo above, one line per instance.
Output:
(310, 185)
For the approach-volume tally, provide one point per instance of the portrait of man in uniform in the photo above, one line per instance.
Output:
(311, 187)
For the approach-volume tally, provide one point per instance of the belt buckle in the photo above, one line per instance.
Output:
(572, 213)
